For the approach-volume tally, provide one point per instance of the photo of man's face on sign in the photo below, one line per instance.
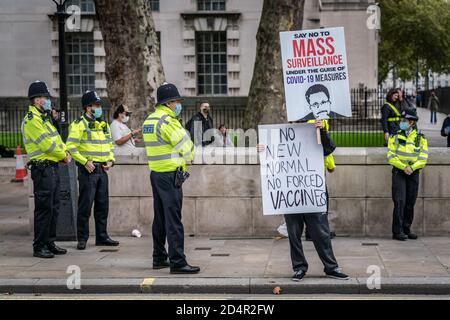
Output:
(318, 99)
(315, 74)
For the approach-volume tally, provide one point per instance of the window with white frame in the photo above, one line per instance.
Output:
(211, 63)
(86, 6)
(154, 4)
(80, 62)
(211, 5)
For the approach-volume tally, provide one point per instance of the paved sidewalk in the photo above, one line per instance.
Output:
(14, 217)
(229, 266)
(432, 131)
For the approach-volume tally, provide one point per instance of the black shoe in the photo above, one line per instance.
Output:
(412, 236)
(298, 275)
(187, 269)
(400, 237)
(161, 265)
(43, 253)
(337, 274)
(53, 248)
(332, 235)
(108, 242)
(81, 245)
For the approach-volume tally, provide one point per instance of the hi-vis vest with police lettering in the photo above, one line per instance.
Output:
(42, 140)
(90, 140)
(411, 150)
(168, 145)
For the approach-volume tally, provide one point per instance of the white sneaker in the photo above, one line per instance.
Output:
(282, 230)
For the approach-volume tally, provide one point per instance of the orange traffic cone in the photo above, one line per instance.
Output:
(21, 172)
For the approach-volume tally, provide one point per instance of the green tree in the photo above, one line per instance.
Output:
(266, 97)
(415, 37)
(133, 64)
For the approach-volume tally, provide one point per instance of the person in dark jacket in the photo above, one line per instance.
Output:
(445, 131)
(390, 115)
(55, 116)
(433, 105)
(403, 103)
(318, 226)
(199, 124)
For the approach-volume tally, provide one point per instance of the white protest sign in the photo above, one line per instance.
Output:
(292, 169)
(315, 74)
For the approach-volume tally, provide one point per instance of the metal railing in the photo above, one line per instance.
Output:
(363, 129)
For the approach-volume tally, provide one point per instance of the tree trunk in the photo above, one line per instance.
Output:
(394, 77)
(133, 64)
(266, 103)
(427, 80)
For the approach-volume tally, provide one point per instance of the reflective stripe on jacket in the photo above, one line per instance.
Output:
(168, 145)
(411, 150)
(396, 112)
(90, 140)
(41, 139)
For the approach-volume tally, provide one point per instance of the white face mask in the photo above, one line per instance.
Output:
(125, 119)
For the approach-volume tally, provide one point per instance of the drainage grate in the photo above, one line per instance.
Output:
(204, 248)
(369, 244)
(109, 250)
(220, 255)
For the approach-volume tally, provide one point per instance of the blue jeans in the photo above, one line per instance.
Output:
(433, 117)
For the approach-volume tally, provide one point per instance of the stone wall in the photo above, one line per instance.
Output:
(225, 199)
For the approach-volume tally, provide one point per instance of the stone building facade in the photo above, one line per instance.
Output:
(208, 47)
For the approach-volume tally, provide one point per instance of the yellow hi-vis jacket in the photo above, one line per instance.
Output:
(42, 140)
(167, 143)
(411, 150)
(90, 140)
(396, 112)
(329, 160)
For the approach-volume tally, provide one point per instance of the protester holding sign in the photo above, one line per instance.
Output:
(329, 167)
(293, 184)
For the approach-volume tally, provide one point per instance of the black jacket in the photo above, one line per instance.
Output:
(405, 104)
(389, 126)
(446, 124)
(327, 143)
(198, 137)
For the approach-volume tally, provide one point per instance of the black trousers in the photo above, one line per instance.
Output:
(404, 194)
(319, 230)
(328, 205)
(93, 190)
(167, 204)
(46, 204)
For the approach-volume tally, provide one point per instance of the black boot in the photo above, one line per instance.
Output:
(187, 269)
(42, 252)
(400, 237)
(53, 248)
(412, 236)
(108, 242)
(81, 245)
(161, 265)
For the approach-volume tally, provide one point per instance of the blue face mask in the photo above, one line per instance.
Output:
(178, 109)
(98, 113)
(404, 126)
(47, 105)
